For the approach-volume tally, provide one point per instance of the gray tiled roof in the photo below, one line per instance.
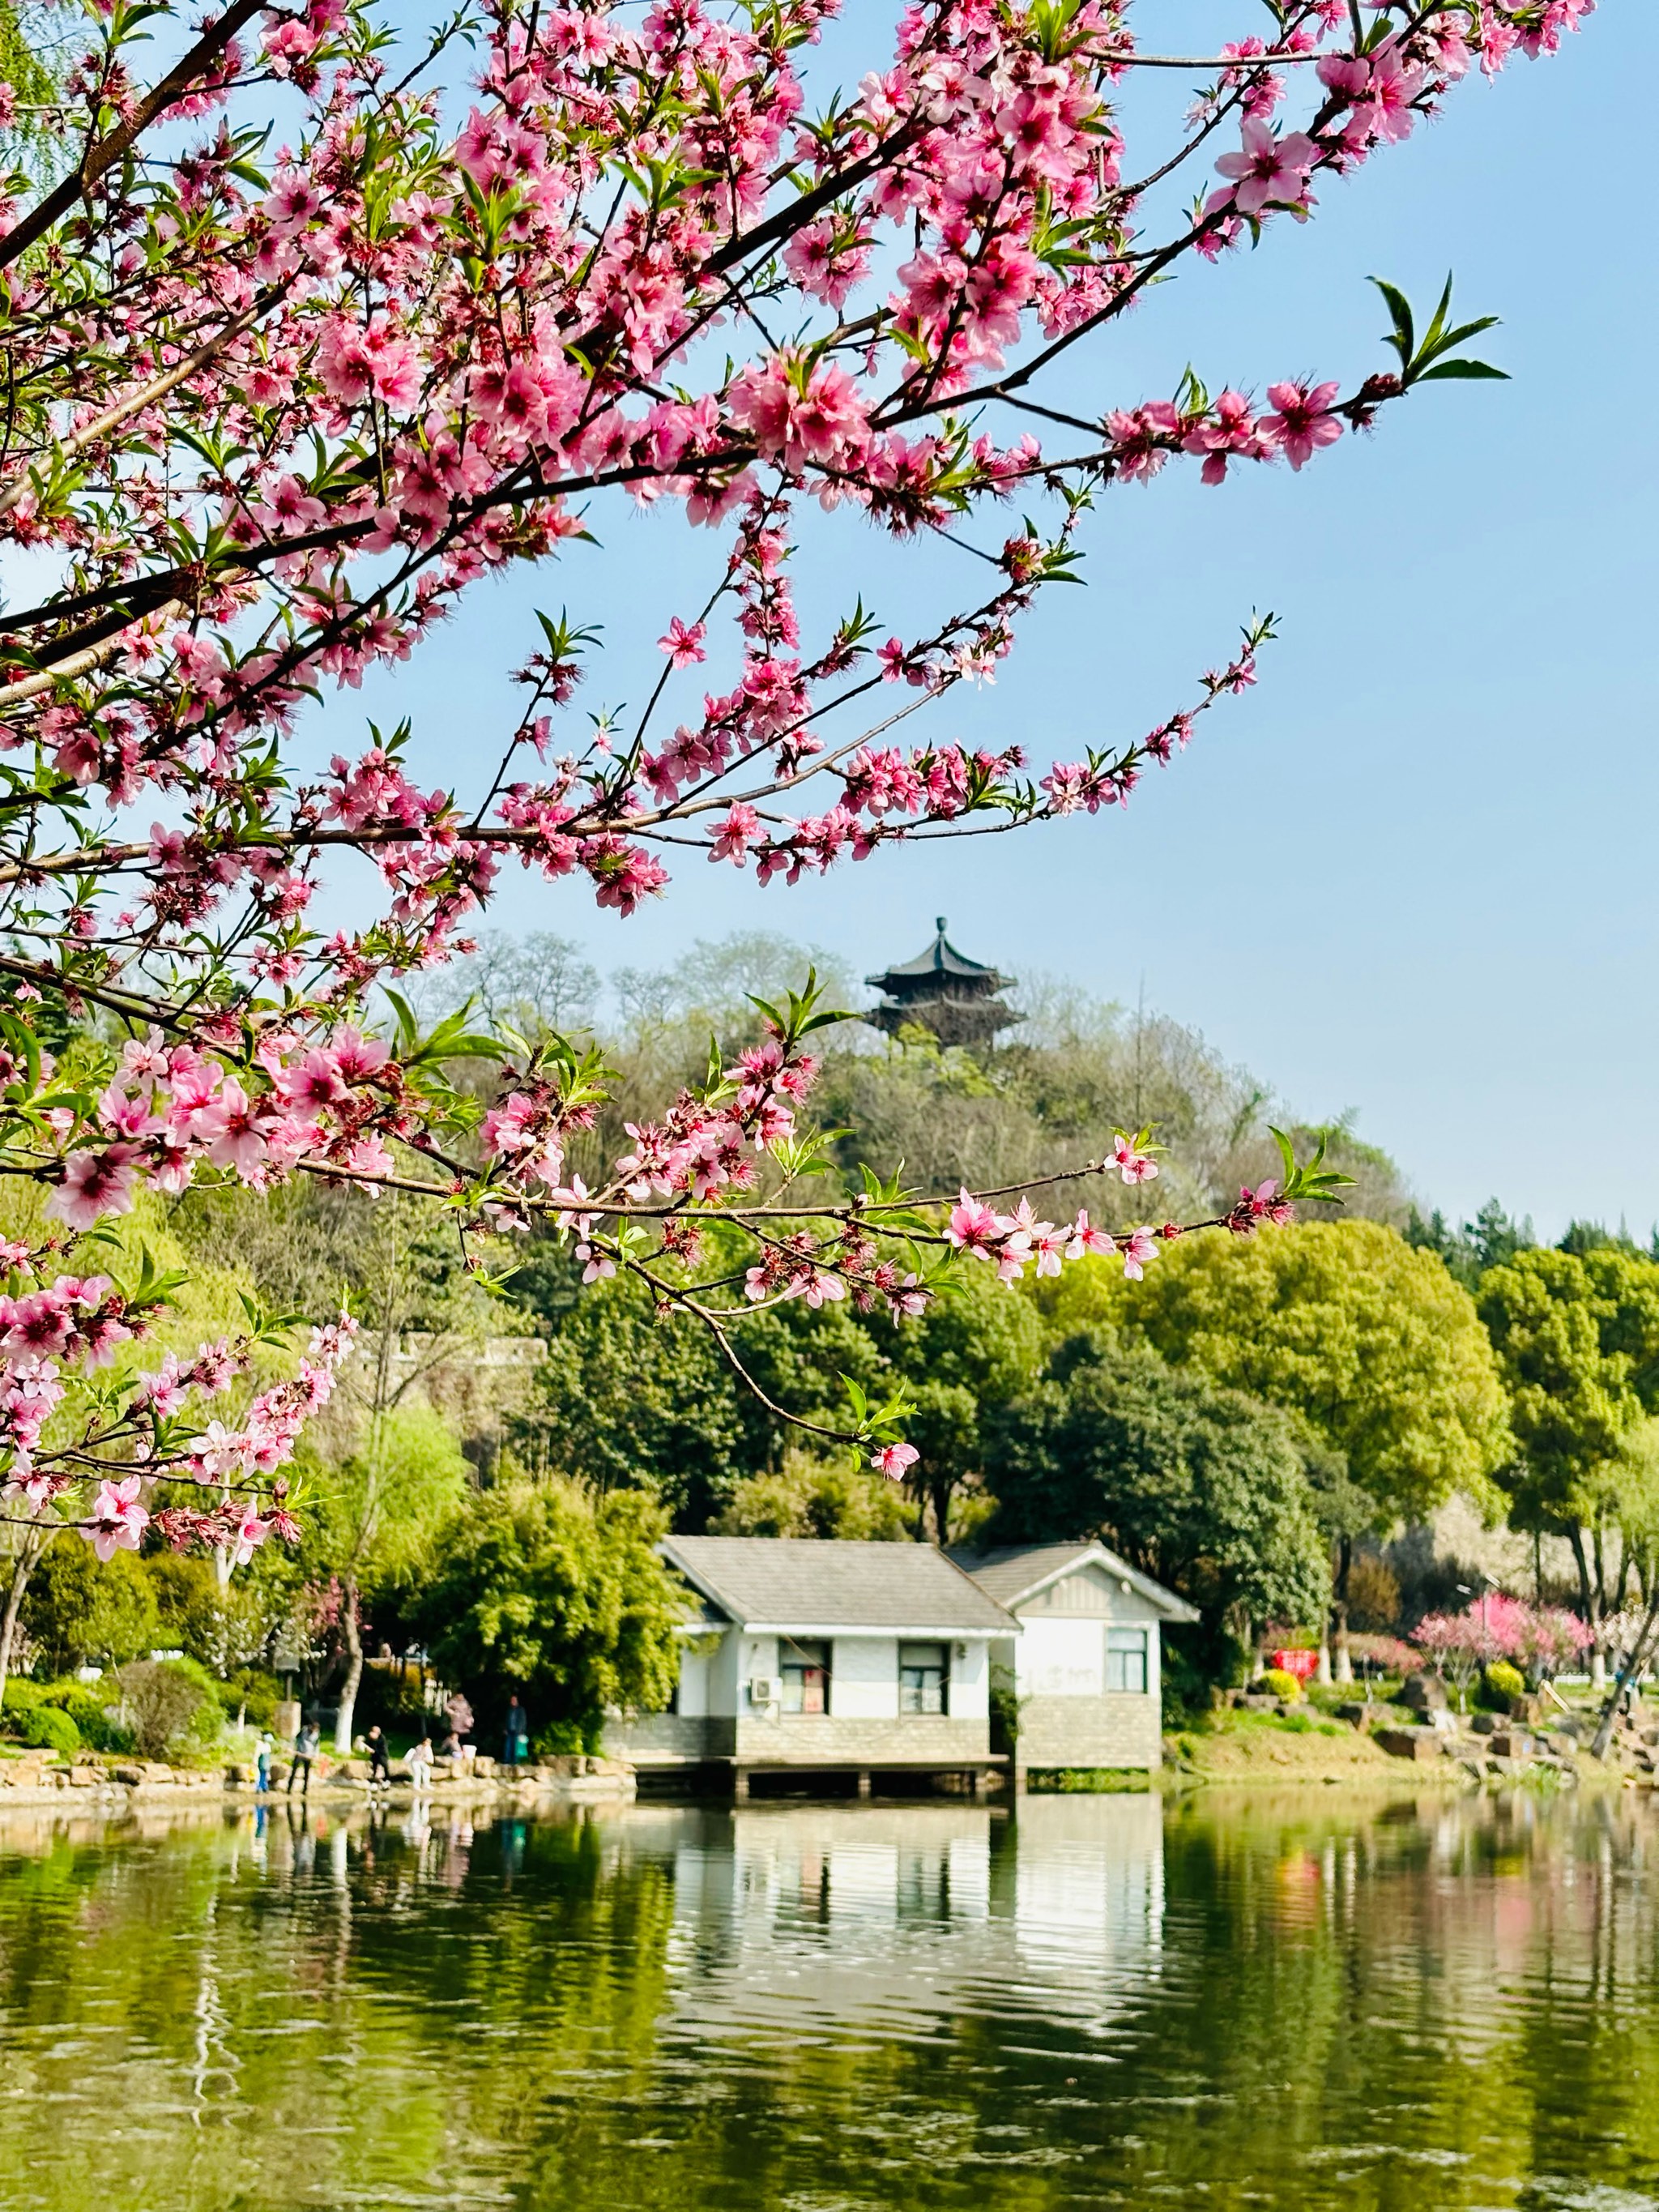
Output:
(1013, 1571)
(807, 1582)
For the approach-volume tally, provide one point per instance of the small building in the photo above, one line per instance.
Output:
(876, 1659)
(833, 1657)
(1086, 1662)
(943, 991)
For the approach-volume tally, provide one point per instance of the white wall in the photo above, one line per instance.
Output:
(693, 1700)
(970, 1681)
(1060, 1658)
(863, 1678)
(864, 1675)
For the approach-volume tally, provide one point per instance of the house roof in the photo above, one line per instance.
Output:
(805, 1582)
(1017, 1572)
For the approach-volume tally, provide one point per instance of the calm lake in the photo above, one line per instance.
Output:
(1284, 2003)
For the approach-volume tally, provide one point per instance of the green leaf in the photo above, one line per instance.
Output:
(1464, 371)
(1403, 340)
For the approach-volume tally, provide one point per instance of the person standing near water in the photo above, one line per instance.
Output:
(516, 1735)
(305, 1746)
(262, 1765)
(380, 1759)
(419, 1766)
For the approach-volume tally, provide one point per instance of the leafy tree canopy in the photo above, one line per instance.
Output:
(1577, 1336)
(1199, 1485)
(542, 1589)
(1371, 1342)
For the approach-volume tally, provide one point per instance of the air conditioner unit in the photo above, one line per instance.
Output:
(763, 1691)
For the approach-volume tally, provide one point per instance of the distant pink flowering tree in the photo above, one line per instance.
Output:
(1539, 1639)
(316, 333)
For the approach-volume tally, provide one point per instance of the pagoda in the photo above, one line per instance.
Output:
(941, 991)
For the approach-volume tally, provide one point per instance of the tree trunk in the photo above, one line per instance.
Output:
(1586, 1593)
(352, 1630)
(19, 1583)
(1343, 1657)
(1632, 1666)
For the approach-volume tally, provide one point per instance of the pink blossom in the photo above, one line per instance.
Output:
(1304, 422)
(1269, 170)
(95, 1184)
(895, 1460)
(684, 646)
(1140, 1247)
(972, 1227)
(116, 1520)
(1134, 1167)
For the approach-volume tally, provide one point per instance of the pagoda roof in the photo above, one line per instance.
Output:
(941, 959)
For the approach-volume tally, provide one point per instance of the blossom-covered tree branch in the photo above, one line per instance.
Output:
(309, 338)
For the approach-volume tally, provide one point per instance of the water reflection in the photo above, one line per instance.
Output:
(825, 2009)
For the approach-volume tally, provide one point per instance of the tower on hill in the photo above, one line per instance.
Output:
(940, 990)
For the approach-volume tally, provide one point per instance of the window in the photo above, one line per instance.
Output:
(803, 1672)
(1126, 1659)
(924, 1670)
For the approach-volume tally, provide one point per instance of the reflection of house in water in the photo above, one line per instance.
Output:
(821, 1921)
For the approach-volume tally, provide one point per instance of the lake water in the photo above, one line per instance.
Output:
(797, 2007)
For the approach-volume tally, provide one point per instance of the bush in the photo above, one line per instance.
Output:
(19, 1701)
(94, 1720)
(1505, 1681)
(47, 1728)
(1281, 1685)
(172, 1705)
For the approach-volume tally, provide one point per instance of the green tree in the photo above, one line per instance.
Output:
(1577, 1336)
(1199, 1485)
(809, 1496)
(80, 1611)
(545, 1589)
(1491, 1239)
(1370, 1342)
(375, 1514)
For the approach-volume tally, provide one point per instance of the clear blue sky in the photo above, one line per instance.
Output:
(1412, 873)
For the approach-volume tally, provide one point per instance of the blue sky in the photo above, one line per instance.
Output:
(1412, 874)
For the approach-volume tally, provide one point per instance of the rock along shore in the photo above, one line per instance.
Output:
(41, 1779)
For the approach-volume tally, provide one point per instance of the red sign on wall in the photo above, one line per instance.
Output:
(1302, 1664)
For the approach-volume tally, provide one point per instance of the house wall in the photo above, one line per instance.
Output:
(1067, 1717)
(670, 1739)
(863, 1727)
(829, 1740)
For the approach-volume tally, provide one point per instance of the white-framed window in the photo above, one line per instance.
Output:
(1126, 1659)
(804, 1677)
(924, 1677)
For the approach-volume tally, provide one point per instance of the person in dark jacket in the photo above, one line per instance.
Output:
(380, 1757)
(306, 1746)
(515, 1735)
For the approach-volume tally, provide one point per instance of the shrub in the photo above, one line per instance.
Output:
(1505, 1681)
(1373, 1595)
(171, 1703)
(19, 1701)
(47, 1728)
(1282, 1684)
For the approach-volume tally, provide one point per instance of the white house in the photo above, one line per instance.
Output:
(866, 1658)
(848, 1657)
(1086, 1662)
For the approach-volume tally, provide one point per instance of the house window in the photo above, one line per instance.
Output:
(924, 1670)
(804, 1675)
(1126, 1659)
